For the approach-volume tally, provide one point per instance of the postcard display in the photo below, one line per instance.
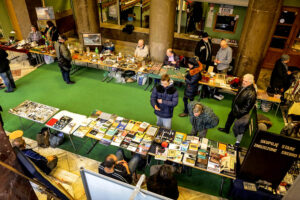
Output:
(269, 158)
(34, 111)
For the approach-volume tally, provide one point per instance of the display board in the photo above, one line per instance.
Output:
(91, 39)
(99, 187)
(45, 13)
(269, 157)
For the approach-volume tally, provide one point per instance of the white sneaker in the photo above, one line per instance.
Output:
(220, 97)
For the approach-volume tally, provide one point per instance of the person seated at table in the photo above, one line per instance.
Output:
(44, 164)
(34, 35)
(51, 32)
(5, 72)
(163, 181)
(201, 118)
(192, 79)
(171, 59)
(115, 166)
(142, 50)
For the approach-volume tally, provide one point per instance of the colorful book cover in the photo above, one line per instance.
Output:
(132, 146)
(179, 137)
(111, 131)
(138, 137)
(161, 153)
(174, 146)
(189, 159)
(143, 127)
(136, 126)
(175, 155)
(117, 141)
(130, 125)
(148, 138)
(193, 148)
(202, 158)
(51, 122)
(143, 147)
(184, 146)
(152, 130)
(82, 131)
(213, 144)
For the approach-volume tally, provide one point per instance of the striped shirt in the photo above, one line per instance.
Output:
(118, 175)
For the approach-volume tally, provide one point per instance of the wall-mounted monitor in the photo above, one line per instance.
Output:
(225, 23)
(91, 39)
(45, 13)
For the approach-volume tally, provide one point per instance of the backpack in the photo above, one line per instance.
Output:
(42, 138)
(56, 139)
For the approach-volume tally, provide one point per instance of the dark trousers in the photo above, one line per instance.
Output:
(185, 101)
(230, 120)
(65, 75)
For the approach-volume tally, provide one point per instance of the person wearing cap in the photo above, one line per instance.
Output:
(201, 118)
(223, 57)
(34, 35)
(204, 50)
(280, 80)
(192, 83)
(142, 50)
(171, 59)
(242, 104)
(64, 58)
(44, 164)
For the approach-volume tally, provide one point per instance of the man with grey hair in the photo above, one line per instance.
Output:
(142, 50)
(223, 57)
(242, 103)
(280, 80)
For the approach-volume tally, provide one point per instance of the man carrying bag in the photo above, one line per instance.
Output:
(64, 58)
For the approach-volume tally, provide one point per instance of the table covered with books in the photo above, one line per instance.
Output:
(136, 136)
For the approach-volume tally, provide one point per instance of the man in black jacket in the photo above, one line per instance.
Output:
(203, 50)
(280, 75)
(242, 103)
(5, 72)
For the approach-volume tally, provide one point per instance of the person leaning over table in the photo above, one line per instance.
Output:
(192, 83)
(242, 104)
(5, 72)
(115, 166)
(164, 98)
(142, 50)
(34, 35)
(64, 58)
(45, 164)
(201, 118)
(171, 59)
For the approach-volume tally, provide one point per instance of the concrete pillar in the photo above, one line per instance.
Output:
(162, 23)
(86, 17)
(19, 17)
(260, 22)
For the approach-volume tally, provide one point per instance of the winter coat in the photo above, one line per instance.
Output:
(207, 119)
(176, 58)
(243, 101)
(203, 51)
(279, 77)
(169, 96)
(192, 82)
(4, 62)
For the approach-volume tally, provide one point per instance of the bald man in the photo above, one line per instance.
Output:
(114, 166)
(171, 59)
(223, 57)
(142, 50)
(242, 104)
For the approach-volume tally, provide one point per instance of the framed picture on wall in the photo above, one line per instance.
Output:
(46, 13)
(225, 23)
(91, 39)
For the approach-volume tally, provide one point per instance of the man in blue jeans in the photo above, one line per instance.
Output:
(5, 72)
(163, 99)
(115, 166)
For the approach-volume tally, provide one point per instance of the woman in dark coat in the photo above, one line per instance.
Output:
(164, 183)
(192, 83)
(51, 32)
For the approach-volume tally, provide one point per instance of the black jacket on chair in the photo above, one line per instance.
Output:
(244, 101)
(279, 77)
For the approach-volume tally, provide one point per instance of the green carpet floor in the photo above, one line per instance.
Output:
(45, 85)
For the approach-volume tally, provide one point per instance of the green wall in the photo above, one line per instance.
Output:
(5, 20)
(237, 10)
(59, 5)
(294, 3)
